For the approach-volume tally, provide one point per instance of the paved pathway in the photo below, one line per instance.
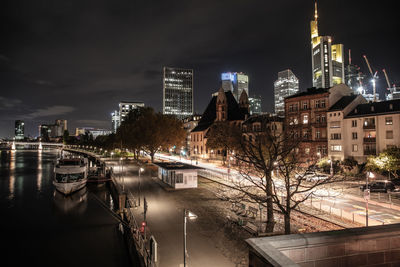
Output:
(165, 221)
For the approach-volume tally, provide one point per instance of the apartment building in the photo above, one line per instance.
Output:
(338, 132)
(368, 129)
(306, 118)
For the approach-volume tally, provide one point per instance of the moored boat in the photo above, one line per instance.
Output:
(70, 174)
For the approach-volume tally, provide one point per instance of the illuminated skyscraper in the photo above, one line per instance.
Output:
(286, 85)
(19, 130)
(118, 116)
(327, 58)
(255, 105)
(235, 82)
(178, 92)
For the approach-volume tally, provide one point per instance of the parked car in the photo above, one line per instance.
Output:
(380, 186)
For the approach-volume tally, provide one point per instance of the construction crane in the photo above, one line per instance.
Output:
(391, 88)
(374, 76)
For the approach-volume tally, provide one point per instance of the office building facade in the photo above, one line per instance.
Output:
(118, 116)
(327, 58)
(19, 130)
(286, 85)
(178, 92)
(237, 82)
(53, 131)
(255, 105)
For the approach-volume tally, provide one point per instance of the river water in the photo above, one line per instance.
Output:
(41, 227)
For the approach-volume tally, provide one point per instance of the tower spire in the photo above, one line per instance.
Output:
(316, 11)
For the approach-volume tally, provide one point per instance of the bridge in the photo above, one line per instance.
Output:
(14, 145)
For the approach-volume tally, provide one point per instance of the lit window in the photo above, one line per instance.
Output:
(354, 148)
(336, 148)
(388, 120)
(305, 119)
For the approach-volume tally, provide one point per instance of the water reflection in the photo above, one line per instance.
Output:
(11, 186)
(39, 172)
(75, 203)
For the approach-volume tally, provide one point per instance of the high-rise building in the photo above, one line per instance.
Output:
(286, 85)
(178, 92)
(327, 58)
(52, 131)
(235, 82)
(118, 116)
(19, 130)
(255, 105)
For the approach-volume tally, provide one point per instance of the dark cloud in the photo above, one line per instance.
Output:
(89, 55)
(48, 112)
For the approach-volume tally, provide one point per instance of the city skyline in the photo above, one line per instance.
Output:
(55, 59)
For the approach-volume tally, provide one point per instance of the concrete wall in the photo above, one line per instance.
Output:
(367, 246)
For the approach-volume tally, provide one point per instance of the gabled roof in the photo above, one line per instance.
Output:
(376, 108)
(210, 114)
(343, 102)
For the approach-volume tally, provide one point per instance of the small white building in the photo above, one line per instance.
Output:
(178, 175)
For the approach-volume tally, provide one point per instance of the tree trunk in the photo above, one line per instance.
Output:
(152, 157)
(270, 207)
(287, 222)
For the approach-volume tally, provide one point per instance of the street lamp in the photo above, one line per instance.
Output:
(187, 214)
(122, 173)
(195, 154)
(366, 195)
(140, 170)
(319, 155)
(112, 153)
(331, 170)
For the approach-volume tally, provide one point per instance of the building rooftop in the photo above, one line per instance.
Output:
(375, 108)
(343, 102)
(176, 166)
(210, 114)
(310, 91)
(263, 118)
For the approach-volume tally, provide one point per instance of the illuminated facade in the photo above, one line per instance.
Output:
(255, 105)
(52, 131)
(19, 130)
(327, 58)
(118, 116)
(178, 92)
(237, 82)
(286, 85)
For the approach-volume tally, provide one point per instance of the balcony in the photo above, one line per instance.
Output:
(370, 152)
(369, 126)
(369, 139)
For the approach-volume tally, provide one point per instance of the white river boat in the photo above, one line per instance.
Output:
(70, 174)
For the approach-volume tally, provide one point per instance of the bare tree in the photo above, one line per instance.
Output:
(263, 153)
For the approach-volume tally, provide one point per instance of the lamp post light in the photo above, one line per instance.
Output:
(112, 154)
(122, 173)
(187, 214)
(319, 155)
(277, 169)
(140, 171)
(367, 195)
(331, 169)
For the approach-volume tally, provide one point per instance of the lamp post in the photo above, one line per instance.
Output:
(140, 170)
(319, 155)
(366, 195)
(122, 173)
(331, 162)
(187, 214)
(195, 155)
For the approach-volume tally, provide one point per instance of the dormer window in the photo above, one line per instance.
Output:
(391, 106)
(372, 108)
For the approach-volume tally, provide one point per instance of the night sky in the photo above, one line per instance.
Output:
(76, 60)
